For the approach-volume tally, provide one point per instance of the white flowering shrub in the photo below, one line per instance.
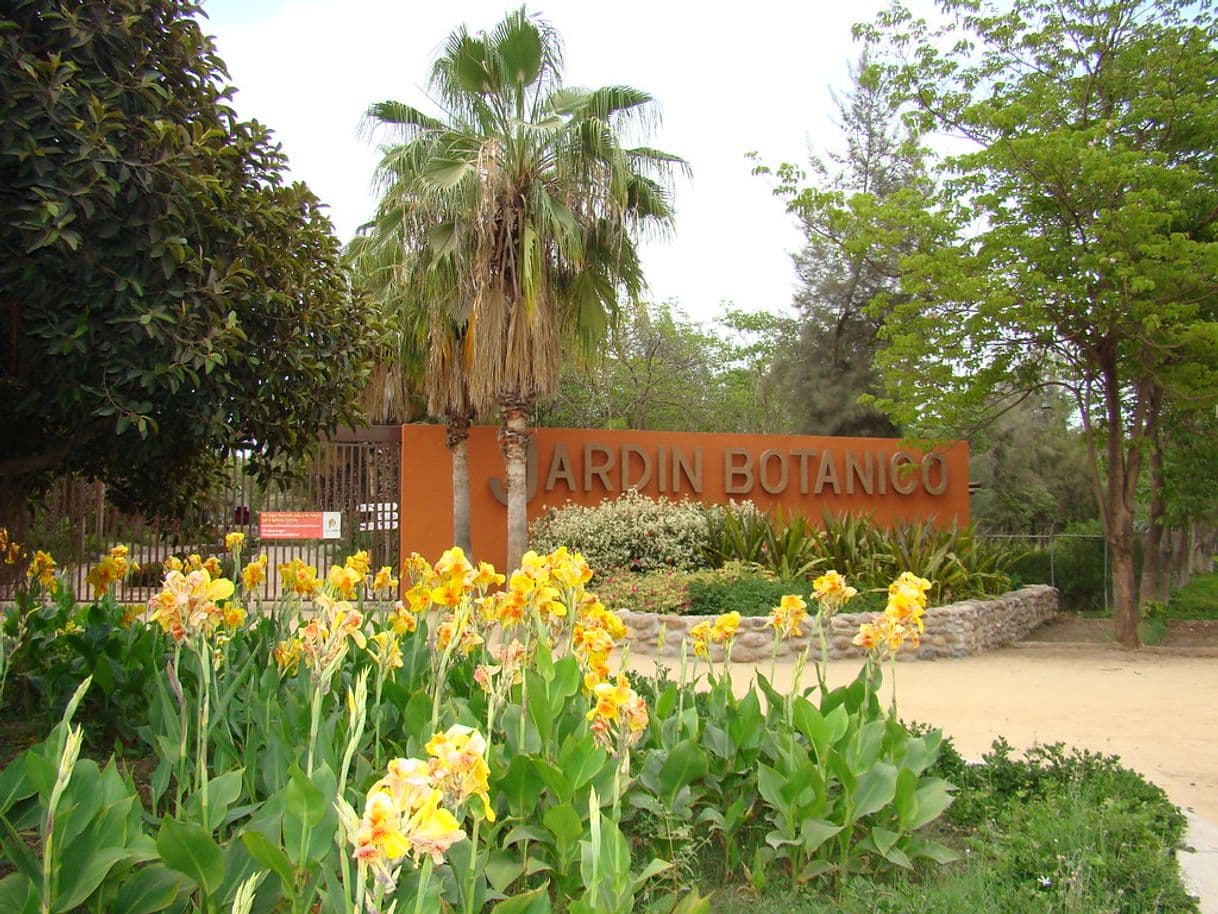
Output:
(632, 531)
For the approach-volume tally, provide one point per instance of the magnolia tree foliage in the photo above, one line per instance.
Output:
(167, 298)
(1073, 241)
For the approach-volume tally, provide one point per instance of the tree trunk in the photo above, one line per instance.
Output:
(514, 441)
(1154, 560)
(457, 439)
(1124, 598)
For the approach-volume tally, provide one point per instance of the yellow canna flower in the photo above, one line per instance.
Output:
(233, 541)
(360, 562)
(384, 581)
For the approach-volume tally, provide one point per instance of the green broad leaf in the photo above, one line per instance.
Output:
(15, 784)
(269, 855)
(839, 722)
(566, 825)
(770, 785)
(17, 894)
(78, 882)
(502, 869)
(814, 870)
(417, 716)
(222, 791)
(778, 840)
(520, 787)
(876, 788)
(932, 850)
(18, 853)
(526, 833)
(567, 681)
(745, 726)
(685, 764)
(80, 802)
(666, 703)
(933, 798)
(655, 867)
(536, 901)
(884, 838)
(897, 856)
(580, 759)
(815, 832)
(187, 848)
(693, 903)
(153, 888)
(305, 801)
(864, 749)
(557, 782)
(905, 798)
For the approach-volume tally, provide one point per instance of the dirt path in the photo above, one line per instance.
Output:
(1157, 711)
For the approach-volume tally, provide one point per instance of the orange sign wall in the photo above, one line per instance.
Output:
(801, 474)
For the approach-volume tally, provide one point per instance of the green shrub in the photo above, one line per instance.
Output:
(1198, 599)
(651, 592)
(1077, 570)
(632, 532)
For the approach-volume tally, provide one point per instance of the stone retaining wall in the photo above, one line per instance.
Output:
(957, 630)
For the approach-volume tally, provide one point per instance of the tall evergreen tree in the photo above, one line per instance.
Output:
(831, 364)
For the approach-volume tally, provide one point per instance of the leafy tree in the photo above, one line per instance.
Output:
(842, 270)
(1073, 242)
(168, 300)
(536, 205)
(1031, 470)
(659, 370)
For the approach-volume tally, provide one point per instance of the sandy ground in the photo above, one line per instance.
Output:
(1157, 711)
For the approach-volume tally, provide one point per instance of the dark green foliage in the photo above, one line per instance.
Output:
(1078, 570)
(1059, 832)
(167, 299)
(958, 563)
(1198, 599)
(756, 595)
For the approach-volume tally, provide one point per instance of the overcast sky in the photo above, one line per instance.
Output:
(728, 79)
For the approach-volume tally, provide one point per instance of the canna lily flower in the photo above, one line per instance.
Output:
(384, 582)
(234, 541)
(254, 574)
(402, 620)
(458, 766)
(486, 577)
(42, 570)
(787, 617)
(385, 651)
(360, 562)
(832, 592)
(345, 579)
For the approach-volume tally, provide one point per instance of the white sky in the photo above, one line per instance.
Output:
(728, 79)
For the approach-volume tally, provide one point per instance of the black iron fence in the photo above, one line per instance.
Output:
(356, 473)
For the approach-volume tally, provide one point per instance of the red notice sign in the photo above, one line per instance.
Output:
(300, 525)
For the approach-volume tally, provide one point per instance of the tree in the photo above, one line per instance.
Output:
(537, 204)
(418, 299)
(168, 300)
(1073, 243)
(841, 270)
(659, 370)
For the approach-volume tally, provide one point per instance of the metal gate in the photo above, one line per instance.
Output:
(357, 472)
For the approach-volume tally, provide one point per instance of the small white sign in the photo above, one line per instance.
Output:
(331, 525)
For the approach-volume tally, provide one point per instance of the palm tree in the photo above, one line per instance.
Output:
(432, 349)
(532, 209)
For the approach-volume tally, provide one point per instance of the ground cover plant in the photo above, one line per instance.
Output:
(471, 748)
(1054, 831)
(735, 558)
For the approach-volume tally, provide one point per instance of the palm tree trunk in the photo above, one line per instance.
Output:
(456, 438)
(514, 441)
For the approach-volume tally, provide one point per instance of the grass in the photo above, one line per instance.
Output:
(1056, 833)
(1198, 599)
